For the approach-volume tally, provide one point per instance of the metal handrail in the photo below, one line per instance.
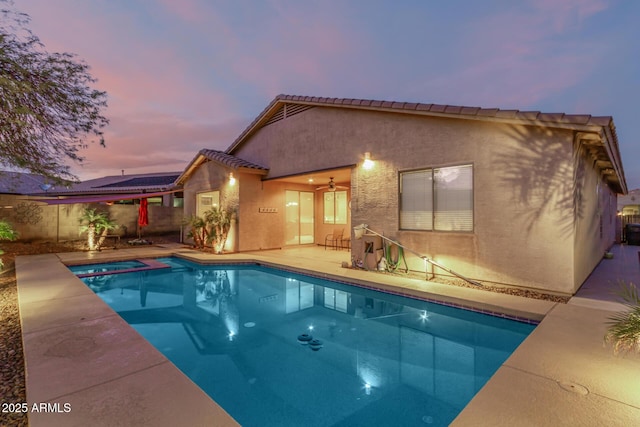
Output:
(425, 258)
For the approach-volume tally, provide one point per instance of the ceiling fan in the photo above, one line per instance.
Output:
(331, 186)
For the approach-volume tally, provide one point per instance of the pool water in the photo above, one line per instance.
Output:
(237, 331)
(106, 267)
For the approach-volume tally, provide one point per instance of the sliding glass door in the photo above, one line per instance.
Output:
(299, 217)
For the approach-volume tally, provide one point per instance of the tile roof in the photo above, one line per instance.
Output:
(229, 160)
(220, 157)
(603, 125)
(465, 112)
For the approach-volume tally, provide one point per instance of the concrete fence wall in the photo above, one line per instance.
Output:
(38, 221)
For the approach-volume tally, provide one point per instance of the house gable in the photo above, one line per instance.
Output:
(221, 158)
(597, 133)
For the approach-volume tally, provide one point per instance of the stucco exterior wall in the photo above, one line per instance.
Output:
(262, 218)
(212, 176)
(523, 206)
(536, 209)
(261, 230)
(595, 218)
(38, 221)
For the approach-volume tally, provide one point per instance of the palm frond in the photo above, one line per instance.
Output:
(624, 327)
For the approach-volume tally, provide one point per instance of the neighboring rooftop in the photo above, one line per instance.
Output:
(23, 183)
(150, 182)
(36, 185)
(629, 204)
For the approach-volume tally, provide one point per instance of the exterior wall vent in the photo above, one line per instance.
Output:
(287, 110)
(293, 109)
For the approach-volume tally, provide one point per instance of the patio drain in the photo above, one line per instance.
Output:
(574, 388)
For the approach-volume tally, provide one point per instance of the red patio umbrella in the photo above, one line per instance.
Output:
(143, 216)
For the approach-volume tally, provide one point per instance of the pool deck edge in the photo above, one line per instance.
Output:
(562, 374)
(85, 365)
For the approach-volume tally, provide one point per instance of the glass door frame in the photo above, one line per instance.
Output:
(297, 217)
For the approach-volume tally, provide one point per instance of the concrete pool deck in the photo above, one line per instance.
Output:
(80, 352)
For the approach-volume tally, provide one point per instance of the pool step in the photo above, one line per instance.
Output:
(150, 264)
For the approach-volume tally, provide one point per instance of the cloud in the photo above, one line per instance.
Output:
(565, 13)
(154, 143)
(185, 75)
(271, 47)
(518, 57)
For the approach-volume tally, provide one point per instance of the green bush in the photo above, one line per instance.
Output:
(6, 233)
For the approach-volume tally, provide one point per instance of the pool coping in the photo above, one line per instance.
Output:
(64, 310)
(149, 265)
(532, 317)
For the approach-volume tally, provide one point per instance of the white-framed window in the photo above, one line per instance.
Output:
(335, 207)
(438, 199)
(207, 200)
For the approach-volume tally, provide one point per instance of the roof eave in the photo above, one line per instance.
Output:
(494, 115)
(200, 159)
(191, 167)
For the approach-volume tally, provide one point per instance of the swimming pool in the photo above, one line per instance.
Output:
(106, 267)
(236, 331)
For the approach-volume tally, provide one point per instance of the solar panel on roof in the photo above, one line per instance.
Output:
(145, 181)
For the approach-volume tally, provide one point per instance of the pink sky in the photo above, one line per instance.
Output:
(193, 74)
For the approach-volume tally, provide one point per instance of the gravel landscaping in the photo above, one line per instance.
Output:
(12, 379)
(12, 388)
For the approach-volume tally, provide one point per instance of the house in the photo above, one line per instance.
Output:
(628, 213)
(629, 204)
(39, 209)
(512, 197)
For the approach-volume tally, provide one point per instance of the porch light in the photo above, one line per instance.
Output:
(368, 163)
(232, 179)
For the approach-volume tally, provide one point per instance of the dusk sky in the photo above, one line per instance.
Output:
(191, 74)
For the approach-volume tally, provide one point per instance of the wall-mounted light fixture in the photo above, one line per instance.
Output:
(368, 163)
(232, 179)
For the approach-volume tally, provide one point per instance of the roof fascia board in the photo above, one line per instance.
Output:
(191, 167)
(275, 105)
(611, 146)
(201, 159)
(261, 120)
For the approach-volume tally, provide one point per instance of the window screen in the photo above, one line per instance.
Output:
(416, 200)
(437, 199)
(454, 198)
